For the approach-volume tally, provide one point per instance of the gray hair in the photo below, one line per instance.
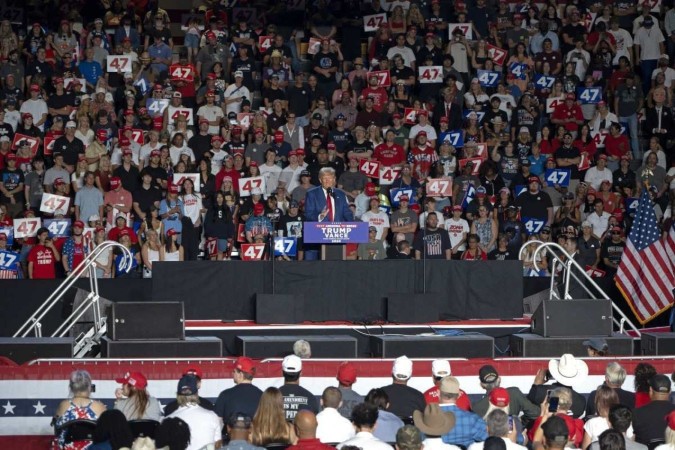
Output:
(615, 374)
(302, 348)
(326, 170)
(143, 443)
(498, 423)
(80, 381)
(565, 398)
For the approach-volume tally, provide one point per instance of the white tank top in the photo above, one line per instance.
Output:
(153, 255)
(173, 256)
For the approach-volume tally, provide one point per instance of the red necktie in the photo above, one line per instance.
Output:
(329, 208)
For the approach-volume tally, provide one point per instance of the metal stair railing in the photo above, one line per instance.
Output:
(556, 251)
(88, 264)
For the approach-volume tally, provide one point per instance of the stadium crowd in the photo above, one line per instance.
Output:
(552, 415)
(457, 130)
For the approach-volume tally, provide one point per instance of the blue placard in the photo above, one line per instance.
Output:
(9, 231)
(519, 70)
(488, 78)
(519, 189)
(624, 128)
(479, 114)
(544, 82)
(143, 85)
(9, 260)
(122, 263)
(533, 225)
(589, 95)
(285, 246)
(58, 228)
(156, 106)
(395, 194)
(558, 177)
(335, 232)
(454, 138)
(468, 196)
(632, 205)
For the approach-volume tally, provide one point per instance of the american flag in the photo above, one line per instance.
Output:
(646, 274)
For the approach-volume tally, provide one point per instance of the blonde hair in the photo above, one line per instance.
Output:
(269, 423)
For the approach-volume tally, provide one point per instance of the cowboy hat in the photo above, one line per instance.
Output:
(434, 421)
(568, 369)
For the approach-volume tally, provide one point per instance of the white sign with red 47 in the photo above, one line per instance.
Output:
(54, 204)
(388, 175)
(185, 112)
(374, 21)
(246, 185)
(439, 187)
(179, 178)
(370, 168)
(465, 27)
(119, 63)
(252, 252)
(24, 228)
(430, 74)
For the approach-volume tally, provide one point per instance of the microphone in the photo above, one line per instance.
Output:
(329, 191)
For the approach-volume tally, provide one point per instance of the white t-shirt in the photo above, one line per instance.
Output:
(379, 220)
(204, 425)
(455, 230)
(211, 113)
(405, 52)
(175, 153)
(233, 90)
(333, 427)
(595, 177)
(649, 40)
(271, 175)
(192, 204)
(599, 223)
(35, 108)
(431, 132)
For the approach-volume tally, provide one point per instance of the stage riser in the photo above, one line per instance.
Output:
(658, 344)
(412, 308)
(21, 350)
(533, 345)
(329, 346)
(465, 346)
(202, 347)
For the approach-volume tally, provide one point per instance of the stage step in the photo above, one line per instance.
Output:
(327, 346)
(468, 345)
(533, 345)
(191, 347)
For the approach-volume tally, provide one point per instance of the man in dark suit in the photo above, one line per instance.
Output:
(659, 120)
(446, 108)
(326, 202)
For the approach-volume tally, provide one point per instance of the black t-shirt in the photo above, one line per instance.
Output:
(242, 398)
(612, 251)
(325, 61)
(247, 67)
(341, 139)
(11, 94)
(571, 153)
(404, 400)
(130, 178)
(11, 179)
(147, 197)
(36, 67)
(69, 150)
(298, 99)
(534, 206)
(6, 130)
(498, 255)
(292, 226)
(200, 144)
(432, 245)
(403, 73)
(60, 101)
(297, 398)
(274, 94)
(157, 173)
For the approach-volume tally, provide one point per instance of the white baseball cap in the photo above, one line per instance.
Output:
(403, 367)
(71, 124)
(291, 364)
(440, 368)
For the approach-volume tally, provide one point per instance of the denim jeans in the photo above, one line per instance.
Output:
(632, 122)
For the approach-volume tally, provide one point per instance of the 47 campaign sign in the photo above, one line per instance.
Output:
(58, 228)
(589, 96)
(9, 260)
(285, 246)
(558, 177)
(335, 232)
(488, 78)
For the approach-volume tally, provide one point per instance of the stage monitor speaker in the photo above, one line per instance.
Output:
(561, 318)
(279, 308)
(323, 346)
(535, 346)
(146, 320)
(21, 350)
(412, 308)
(470, 345)
(191, 347)
(657, 344)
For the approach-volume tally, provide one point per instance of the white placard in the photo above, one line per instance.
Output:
(246, 185)
(178, 179)
(118, 63)
(54, 204)
(24, 228)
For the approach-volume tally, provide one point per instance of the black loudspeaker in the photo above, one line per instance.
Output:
(561, 318)
(323, 346)
(473, 345)
(21, 350)
(657, 344)
(412, 308)
(146, 320)
(533, 345)
(191, 347)
(279, 308)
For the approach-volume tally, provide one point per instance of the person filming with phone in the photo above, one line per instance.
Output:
(564, 372)
(558, 403)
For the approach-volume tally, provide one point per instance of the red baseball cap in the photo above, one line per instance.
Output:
(258, 208)
(278, 136)
(34, 88)
(211, 76)
(370, 189)
(216, 138)
(115, 182)
(78, 223)
(300, 151)
(10, 157)
(236, 129)
(174, 189)
(346, 373)
(103, 134)
(124, 141)
(155, 153)
(533, 179)
(135, 379)
(444, 119)
(172, 232)
(602, 156)
(569, 96)
(244, 364)
(499, 397)
(422, 133)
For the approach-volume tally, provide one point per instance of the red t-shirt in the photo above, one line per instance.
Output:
(563, 112)
(43, 260)
(389, 156)
(78, 254)
(114, 234)
(433, 393)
